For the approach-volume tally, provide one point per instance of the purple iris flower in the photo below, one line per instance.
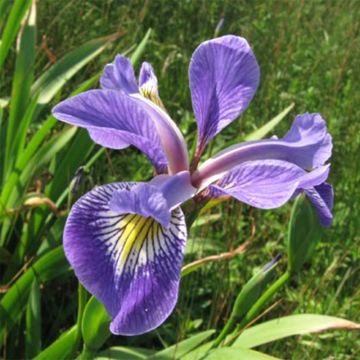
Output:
(126, 240)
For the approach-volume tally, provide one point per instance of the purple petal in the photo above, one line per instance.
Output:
(309, 133)
(267, 184)
(171, 139)
(155, 199)
(224, 76)
(114, 120)
(147, 76)
(148, 84)
(322, 197)
(144, 199)
(119, 76)
(130, 263)
(307, 144)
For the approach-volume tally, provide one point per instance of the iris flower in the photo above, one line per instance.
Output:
(126, 240)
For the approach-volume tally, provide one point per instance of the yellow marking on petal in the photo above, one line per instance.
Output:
(135, 231)
(152, 95)
(125, 221)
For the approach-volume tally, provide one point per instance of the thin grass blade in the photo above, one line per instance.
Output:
(33, 322)
(12, 305)
(17, 13)
(21, 84)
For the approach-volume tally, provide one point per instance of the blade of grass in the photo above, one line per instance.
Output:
(17, 13)
(140, 48)
(33, 322)
(22, 80)
(12, 305)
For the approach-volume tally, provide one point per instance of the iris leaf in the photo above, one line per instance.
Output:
(237, 353)
(122, 352)
(20, 93)
(289, 326)
(17, 13)
(95, 325)
(33, 322)
(61, 348)
(177, 351)
(304, 233)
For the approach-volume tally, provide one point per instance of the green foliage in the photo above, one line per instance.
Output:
(239, 353)
(289, 326)
(61, 348)
(33, 322)
(95, 325)
(304, 233)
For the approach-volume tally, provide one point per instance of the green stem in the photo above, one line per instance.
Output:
(86, 354)
(82, 299)
(259, 305)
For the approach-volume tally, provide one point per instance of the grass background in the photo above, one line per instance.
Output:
(309, 53)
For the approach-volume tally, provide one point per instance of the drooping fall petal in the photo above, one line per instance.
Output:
(130, 263)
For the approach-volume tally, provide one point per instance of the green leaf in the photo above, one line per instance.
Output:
(52, 80)
(303, 234)
(289, 326)
(17, 13)
(95, 325)
(33, 322)
(69, 162)
(13, 303)
(61, 348)
(269, 126)
(183, 347)
(140, 48)
(236, 354)
(15, 186)
(199, 353)
(122, 353)
(21, 84)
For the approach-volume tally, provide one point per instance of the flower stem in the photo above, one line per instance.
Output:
(82, 299)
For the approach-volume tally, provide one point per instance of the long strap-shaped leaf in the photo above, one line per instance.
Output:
(61, 348)
(20, 93)
(289, 326)
(226, 353)
(52, 80)
(12, 27)
(13, 304)
(12, 192)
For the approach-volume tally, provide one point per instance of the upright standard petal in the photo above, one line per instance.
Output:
(148, 84)
(224, 76)
(307, 145)
(130, 263)
(268, 184)
(119, 76)
(114, 120)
